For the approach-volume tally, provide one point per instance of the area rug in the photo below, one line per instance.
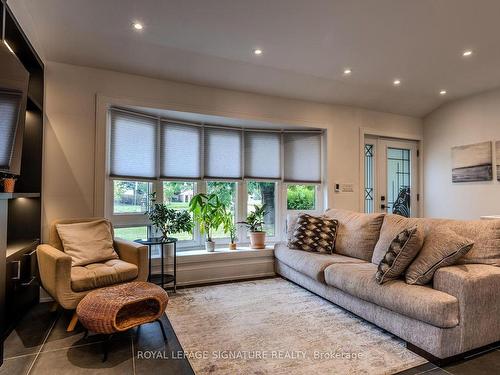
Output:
(273, 326)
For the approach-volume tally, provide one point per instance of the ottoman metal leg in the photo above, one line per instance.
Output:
(162, 329)
(105, 347)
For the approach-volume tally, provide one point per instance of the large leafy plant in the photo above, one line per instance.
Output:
(255, 219)
(209, 211)
(168, 220)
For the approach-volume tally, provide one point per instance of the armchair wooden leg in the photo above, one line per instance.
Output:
(72, 323)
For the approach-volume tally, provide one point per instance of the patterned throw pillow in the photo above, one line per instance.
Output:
(402, 250)
(313, 233)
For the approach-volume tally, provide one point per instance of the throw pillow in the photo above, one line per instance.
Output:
(442, 247)
(402, 250)
(88, 242)
(357, 233)
(313, 233)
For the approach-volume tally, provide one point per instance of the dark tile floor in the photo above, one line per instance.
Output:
(41, 345)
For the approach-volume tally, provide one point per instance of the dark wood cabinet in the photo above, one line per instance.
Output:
(20, 212)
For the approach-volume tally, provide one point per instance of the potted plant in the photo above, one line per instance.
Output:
(8, 183)
(254, 223)
(210, 212)
(230, 228)
(168, 220)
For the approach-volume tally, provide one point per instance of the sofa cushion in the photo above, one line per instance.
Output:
(391, 227)
(98, 275)
(418, 302)
(442, 247)
(307, 263)
(87, 242)
(402, 250)
(314, 233)
(484, 233)
(357, 233)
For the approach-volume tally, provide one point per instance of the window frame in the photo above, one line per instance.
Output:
(124, 220)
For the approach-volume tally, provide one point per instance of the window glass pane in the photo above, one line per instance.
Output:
(301, 197)
(130, 196)
(260, 193)
(176, 195)
(226, 191)
(131, 233)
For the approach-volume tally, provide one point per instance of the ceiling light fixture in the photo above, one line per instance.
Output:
(442, 92)
(347, 71)
(138, 26)
(257, 51)
(8, 47)
(396, 82)
(467, 53)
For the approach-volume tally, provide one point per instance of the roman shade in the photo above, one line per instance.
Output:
(133, 145)
(9, 112)
(223, 153)
(263, 155)
(180, 151)
(302, 157)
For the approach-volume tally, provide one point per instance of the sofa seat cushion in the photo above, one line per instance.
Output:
(418, 302)
(98, 275)
(307, 263)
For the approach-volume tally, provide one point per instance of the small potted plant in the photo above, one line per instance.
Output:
(168, 220)
(254, 223)
(9, 182)
(230, 228)
(210, 212)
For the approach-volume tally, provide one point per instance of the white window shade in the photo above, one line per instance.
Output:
(9, 113)
(262, 155)
(222, 153)
(133, 145)
(302, 157)
(180, 151)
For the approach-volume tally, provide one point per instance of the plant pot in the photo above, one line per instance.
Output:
(258, 240)
(232, 246)
(8, 185)
(210, 246)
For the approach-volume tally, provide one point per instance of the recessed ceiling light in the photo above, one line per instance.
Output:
(467, 53)
(138, 26)
(347, 71)
(257, 51)
(8, 47)
(442, 92)
(396, 82)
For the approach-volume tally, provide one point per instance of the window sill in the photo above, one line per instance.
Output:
(200, 255)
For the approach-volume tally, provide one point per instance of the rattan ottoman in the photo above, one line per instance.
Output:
(121, 307)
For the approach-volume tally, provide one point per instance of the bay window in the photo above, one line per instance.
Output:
(244, 167)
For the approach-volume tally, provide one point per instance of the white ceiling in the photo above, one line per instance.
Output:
(306, 43)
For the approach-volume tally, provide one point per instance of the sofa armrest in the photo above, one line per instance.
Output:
(477, 288)
(55, 270)
(135, 253)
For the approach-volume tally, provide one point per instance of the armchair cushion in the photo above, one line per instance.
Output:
(98, 275)
(87, 242)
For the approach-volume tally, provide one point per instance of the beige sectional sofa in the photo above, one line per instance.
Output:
(457, 312)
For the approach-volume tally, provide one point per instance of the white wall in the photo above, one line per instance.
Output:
(470, 120)
(69, 144)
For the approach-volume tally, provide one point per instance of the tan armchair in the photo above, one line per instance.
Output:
(68, 285)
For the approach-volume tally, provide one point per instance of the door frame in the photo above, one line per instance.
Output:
(417, 137)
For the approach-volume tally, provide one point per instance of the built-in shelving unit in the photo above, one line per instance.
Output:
(20, 212)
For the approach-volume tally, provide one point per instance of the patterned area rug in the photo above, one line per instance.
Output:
(273, 326)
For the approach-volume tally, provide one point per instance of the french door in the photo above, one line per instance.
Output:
(391, 176)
